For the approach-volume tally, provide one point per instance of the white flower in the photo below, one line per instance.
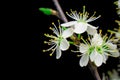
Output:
(85, 56)
(117, 34)
(112, 75)
(118, 9)
(80, 25)
(119, 4)
(97, 50)
(59, 41)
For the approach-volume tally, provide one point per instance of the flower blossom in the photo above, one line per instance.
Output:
(80, 25)
(117, 34)
(116, 31)
(58, 41)
(97, 50)
(112, 75)
(119, 4)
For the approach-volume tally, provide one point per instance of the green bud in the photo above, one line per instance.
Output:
(46, 11)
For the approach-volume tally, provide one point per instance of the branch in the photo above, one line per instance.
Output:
(60, 10)
(94, 71)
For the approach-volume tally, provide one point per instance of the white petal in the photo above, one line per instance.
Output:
(84, 60)
(80, 27)
(105, 57)
(111, 46)
(118, 3)
(115, 54)
(91, 30)
(97, 40)
(117, 35)
(58, 53)
(93, 27)
(64, 45)
(83, 48)
(98, 60)
(67, 33)
(68, 24)
(93, 55)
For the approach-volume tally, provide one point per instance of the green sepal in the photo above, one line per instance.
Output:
(79, 35)
(64, 28)
(46, 11)
(71, 42)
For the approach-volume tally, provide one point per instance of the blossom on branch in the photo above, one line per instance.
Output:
(80, 25)
(97, 50)
(58, 41)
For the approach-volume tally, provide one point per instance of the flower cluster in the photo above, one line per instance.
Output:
(96, 49)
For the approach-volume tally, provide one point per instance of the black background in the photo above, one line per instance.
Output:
(46, 67)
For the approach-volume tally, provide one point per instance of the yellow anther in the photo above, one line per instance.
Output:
(44, 50)
(94, 12)
(51, 54)
(45, 42)
(71, 10)
(53, 23)
(78, 55)
(88, 38)
(45, 34)
(66, 12)
(100, 31)
(51, 28)
(58, 20)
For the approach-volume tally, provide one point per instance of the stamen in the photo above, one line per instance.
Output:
(100, 31)
(83, 10)
(50, 28)
(44, 50)
(83, 40)
(110, 36)
(75, 51)
(71, 10)
(45, 42)
(79, 55)
(66, 12)
(55, 29)
(60, 29)
(51, 54)
(53, 50)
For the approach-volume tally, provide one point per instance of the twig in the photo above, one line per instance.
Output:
(94, 71)
(60, 10)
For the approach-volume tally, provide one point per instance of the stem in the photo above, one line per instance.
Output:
(60, 10)
(94, 71)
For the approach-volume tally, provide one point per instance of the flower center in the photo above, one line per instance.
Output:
(80, 20)
(99, 49)
(91, 49)
(59, 40)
